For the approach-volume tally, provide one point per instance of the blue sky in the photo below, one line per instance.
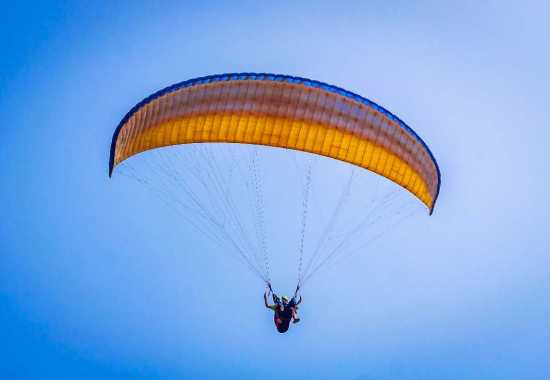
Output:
(97, 280)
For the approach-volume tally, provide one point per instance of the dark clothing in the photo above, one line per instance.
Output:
(283, 313)
(282, 325)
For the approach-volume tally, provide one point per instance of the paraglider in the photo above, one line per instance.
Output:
(285, 310)
(292, 113)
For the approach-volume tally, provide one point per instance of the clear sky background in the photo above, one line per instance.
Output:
(98, 281)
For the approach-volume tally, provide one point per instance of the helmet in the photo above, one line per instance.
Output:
(284, 298)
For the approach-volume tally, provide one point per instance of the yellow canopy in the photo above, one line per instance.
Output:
(285, 112)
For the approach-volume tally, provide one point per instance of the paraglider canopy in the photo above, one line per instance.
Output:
(286, 112)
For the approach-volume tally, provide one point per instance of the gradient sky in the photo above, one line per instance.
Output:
(98, 281)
